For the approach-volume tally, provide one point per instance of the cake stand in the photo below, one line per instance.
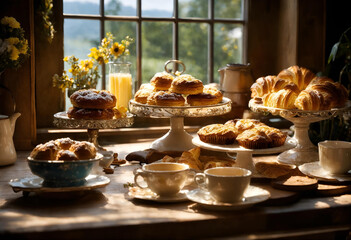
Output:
(61, 120)
(305, 151)
(244, 155)
(177, 139)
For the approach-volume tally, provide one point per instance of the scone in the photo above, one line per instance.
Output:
(209, 96)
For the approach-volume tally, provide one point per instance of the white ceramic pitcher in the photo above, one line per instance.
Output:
(7, 148)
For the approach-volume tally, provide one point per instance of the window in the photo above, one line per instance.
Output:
(204, 34)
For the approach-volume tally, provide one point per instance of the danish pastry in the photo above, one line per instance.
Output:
(93, 99)
(161, 81)
(209, 96)
(186, 84)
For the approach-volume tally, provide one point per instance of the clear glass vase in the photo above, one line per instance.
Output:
(121, 82)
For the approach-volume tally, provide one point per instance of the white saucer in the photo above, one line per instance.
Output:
(253, 195)
(35, 184)
(147, 194)
(313, 169)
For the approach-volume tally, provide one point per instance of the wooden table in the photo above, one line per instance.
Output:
(108, 213)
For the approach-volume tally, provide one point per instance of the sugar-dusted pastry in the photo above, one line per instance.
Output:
(83, 150)
(93, 99)
(162, 98)
(46, 151)
(186, 84)
(161, 81)
(90, 114)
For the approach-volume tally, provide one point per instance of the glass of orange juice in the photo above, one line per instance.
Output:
(121, 82)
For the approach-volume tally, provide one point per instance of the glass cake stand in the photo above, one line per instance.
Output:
(305, 151)
(177, 139)
(61, 120)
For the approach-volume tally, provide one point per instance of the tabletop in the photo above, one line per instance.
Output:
(110, 213)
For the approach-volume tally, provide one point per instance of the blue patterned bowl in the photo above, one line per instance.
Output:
(63, 173)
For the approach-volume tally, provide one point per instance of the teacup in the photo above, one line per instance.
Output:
(335, 156)
(164, 179)
(225, 184)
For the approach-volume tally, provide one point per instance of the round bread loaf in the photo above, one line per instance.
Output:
(93, 99)
(90, 114)
(186, 84)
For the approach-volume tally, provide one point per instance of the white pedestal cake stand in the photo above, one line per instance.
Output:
(305, 151)
(61, 120)
(177, 139)
(244, 155)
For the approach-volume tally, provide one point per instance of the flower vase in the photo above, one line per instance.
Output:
(121, 82)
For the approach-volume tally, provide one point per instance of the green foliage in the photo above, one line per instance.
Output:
(338, 68)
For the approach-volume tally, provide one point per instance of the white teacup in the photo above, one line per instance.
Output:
(335, 156)
(225, 184)
(165, 179)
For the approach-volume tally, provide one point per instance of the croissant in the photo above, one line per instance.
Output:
(284, 98)
(298, 87)
(299, 75)
(269, 84)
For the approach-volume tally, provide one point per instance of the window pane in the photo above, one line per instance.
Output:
(157, 48)
(80, 36)
(81, 7)
(228, 9)
(193, 8)
(120, 7)
(228, 46)
(193, 49)
(120, 30)
(157, 8)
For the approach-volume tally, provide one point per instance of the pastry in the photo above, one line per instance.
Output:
(94, 114)
(163, 98)
(93, 99)
(298, 88)
(47, 151)
(186, 84)
(64, 149)
(161, 81)
(64, 143)
(217, 134)
(276, 136)
(254, 139)
(191, 158)
(240, 125)
(209, 96)
(143, 93)
(272, 169)
(299, 75)
(66, 155)
(83, 150)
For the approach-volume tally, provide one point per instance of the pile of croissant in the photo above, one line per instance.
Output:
(299, 88)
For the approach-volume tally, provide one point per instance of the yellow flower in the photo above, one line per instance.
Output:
(117, 49)
(86, 65)
(12, 40)
(14, 53)
(93, 53)
(65, 58)
(24, 47)
(12, 22)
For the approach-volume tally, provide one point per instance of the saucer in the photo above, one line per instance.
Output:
(35, 184)
(147, 194)
(253, 195)
(313, 169)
